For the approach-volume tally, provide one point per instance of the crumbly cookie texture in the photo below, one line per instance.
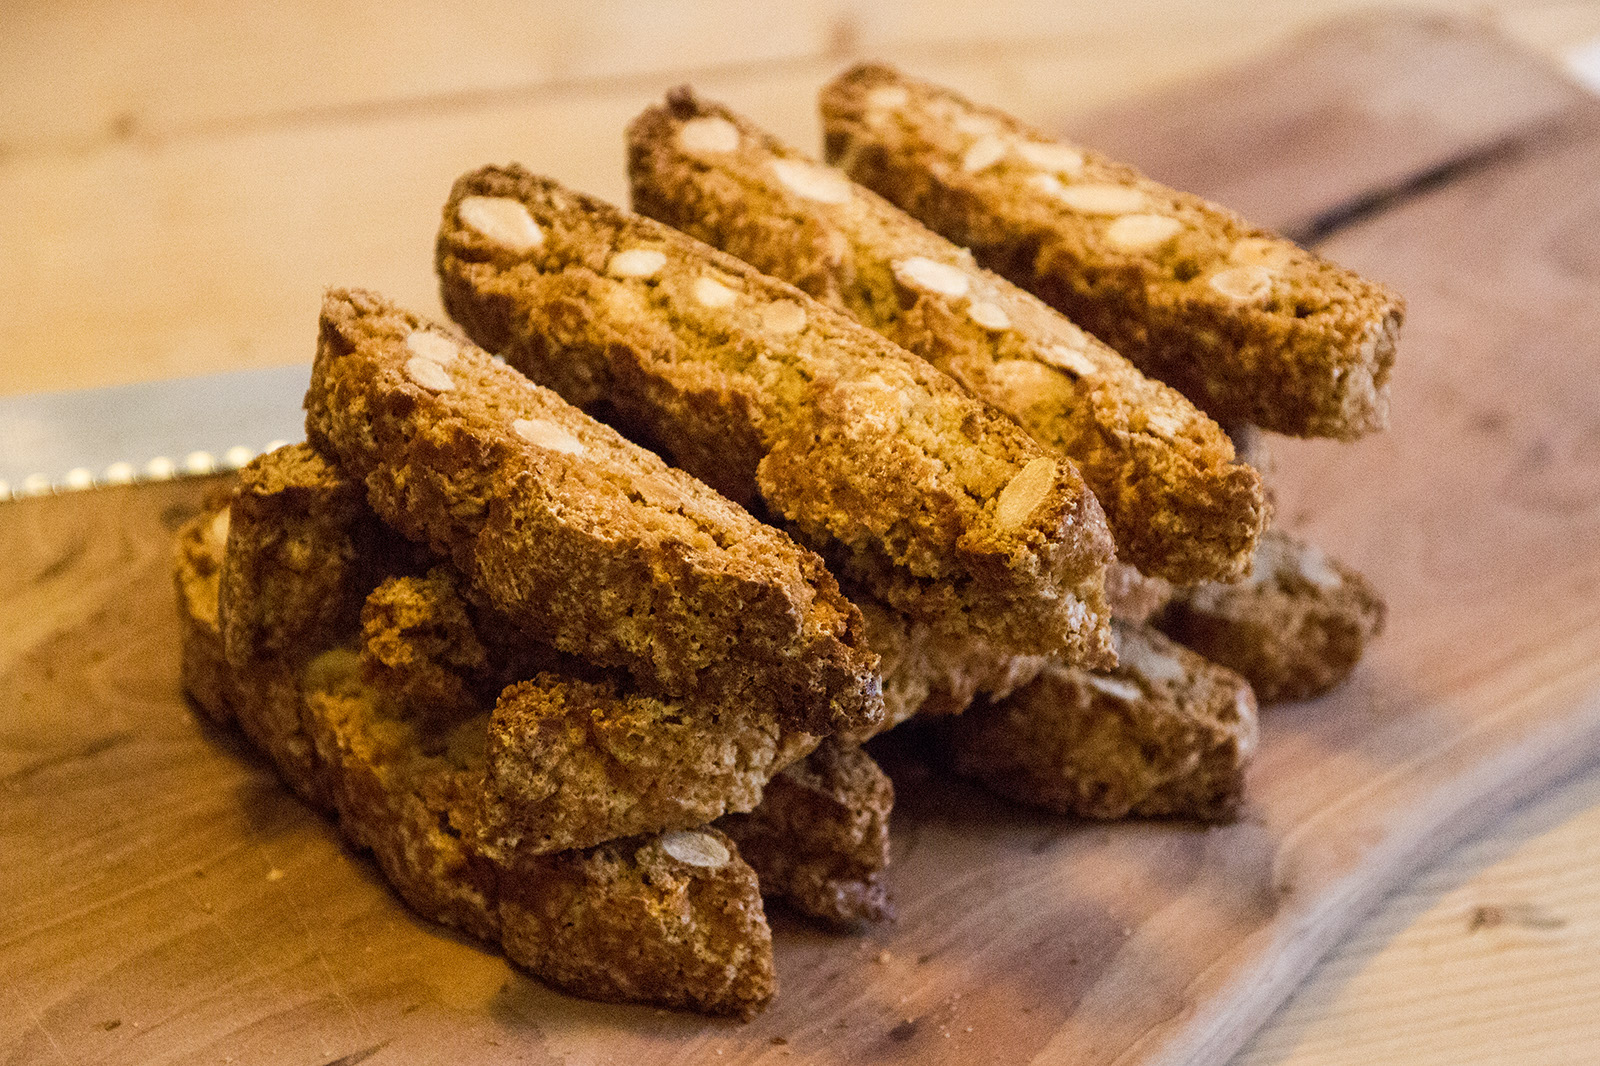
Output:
(573, 758)
(939, 504)
(573, 762)
(302, 546)
(1135, 598)
(581, 538)
(1178, 506)
(1294, 627)
(197, 577)
(1248, 325)
(931, 673)
(668, 919)
(628, 920)
(819, 841)
(1164, 734)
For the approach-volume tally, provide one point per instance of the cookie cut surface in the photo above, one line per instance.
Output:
(1178, 506)
(1164, 734)
(1248, 325)
(1295, 627)
(581, 538)
(885, 465)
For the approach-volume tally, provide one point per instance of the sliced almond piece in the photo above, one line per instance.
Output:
(696, 849)
(1101, 198)
(429, 374)
(1024, 493)
(545, 434)
(712, 293)
(1246, 284)
(783, 316)
(636, 263)
(708, 135)
(430, 345)
(1140, 233)
(1054, 158)
(1071, 360)
(983, 153)
(1260, 251)
(989, 315)
(822, 184)
(502, 220)
(919, 272)
(1125, 691)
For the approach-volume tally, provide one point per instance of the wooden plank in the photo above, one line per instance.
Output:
(1021, 937)
(200, 254)
(84, 75)
(1488, 957)
(1338, 114)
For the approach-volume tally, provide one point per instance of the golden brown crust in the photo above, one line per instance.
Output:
(819, 841)
(1294, 627)
(577, 536)
(1248, 325)
(938, 503)
(1164, 734)
(1177, 504)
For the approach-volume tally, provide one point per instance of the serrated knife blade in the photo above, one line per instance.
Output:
(63, 441)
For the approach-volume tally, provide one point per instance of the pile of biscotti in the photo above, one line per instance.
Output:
(577, 612)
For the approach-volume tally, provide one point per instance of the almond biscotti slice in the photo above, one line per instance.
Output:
(936, 502)
(1249, 326)
(670, 919)
(582, 539)
(572, 757)
(819, 841)
(1178, 506)
(574, 762)
(1295, 627)
(1164, 734)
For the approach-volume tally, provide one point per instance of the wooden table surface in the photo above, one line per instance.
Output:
(182, 180)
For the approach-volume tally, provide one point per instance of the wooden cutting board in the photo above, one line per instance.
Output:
(162, 899)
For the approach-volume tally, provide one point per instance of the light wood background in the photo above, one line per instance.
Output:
(181, 179)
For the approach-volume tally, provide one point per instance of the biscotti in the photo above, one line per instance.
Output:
(1249, 326)
(574, 762)
(573, 758)
(934, 501)
(581, 538)
(673, 919)
(819, 841)
(1295, 627)
(1164, 734)
(1178, 506)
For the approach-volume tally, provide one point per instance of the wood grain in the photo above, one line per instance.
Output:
(1340, 113)
(150, 899)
